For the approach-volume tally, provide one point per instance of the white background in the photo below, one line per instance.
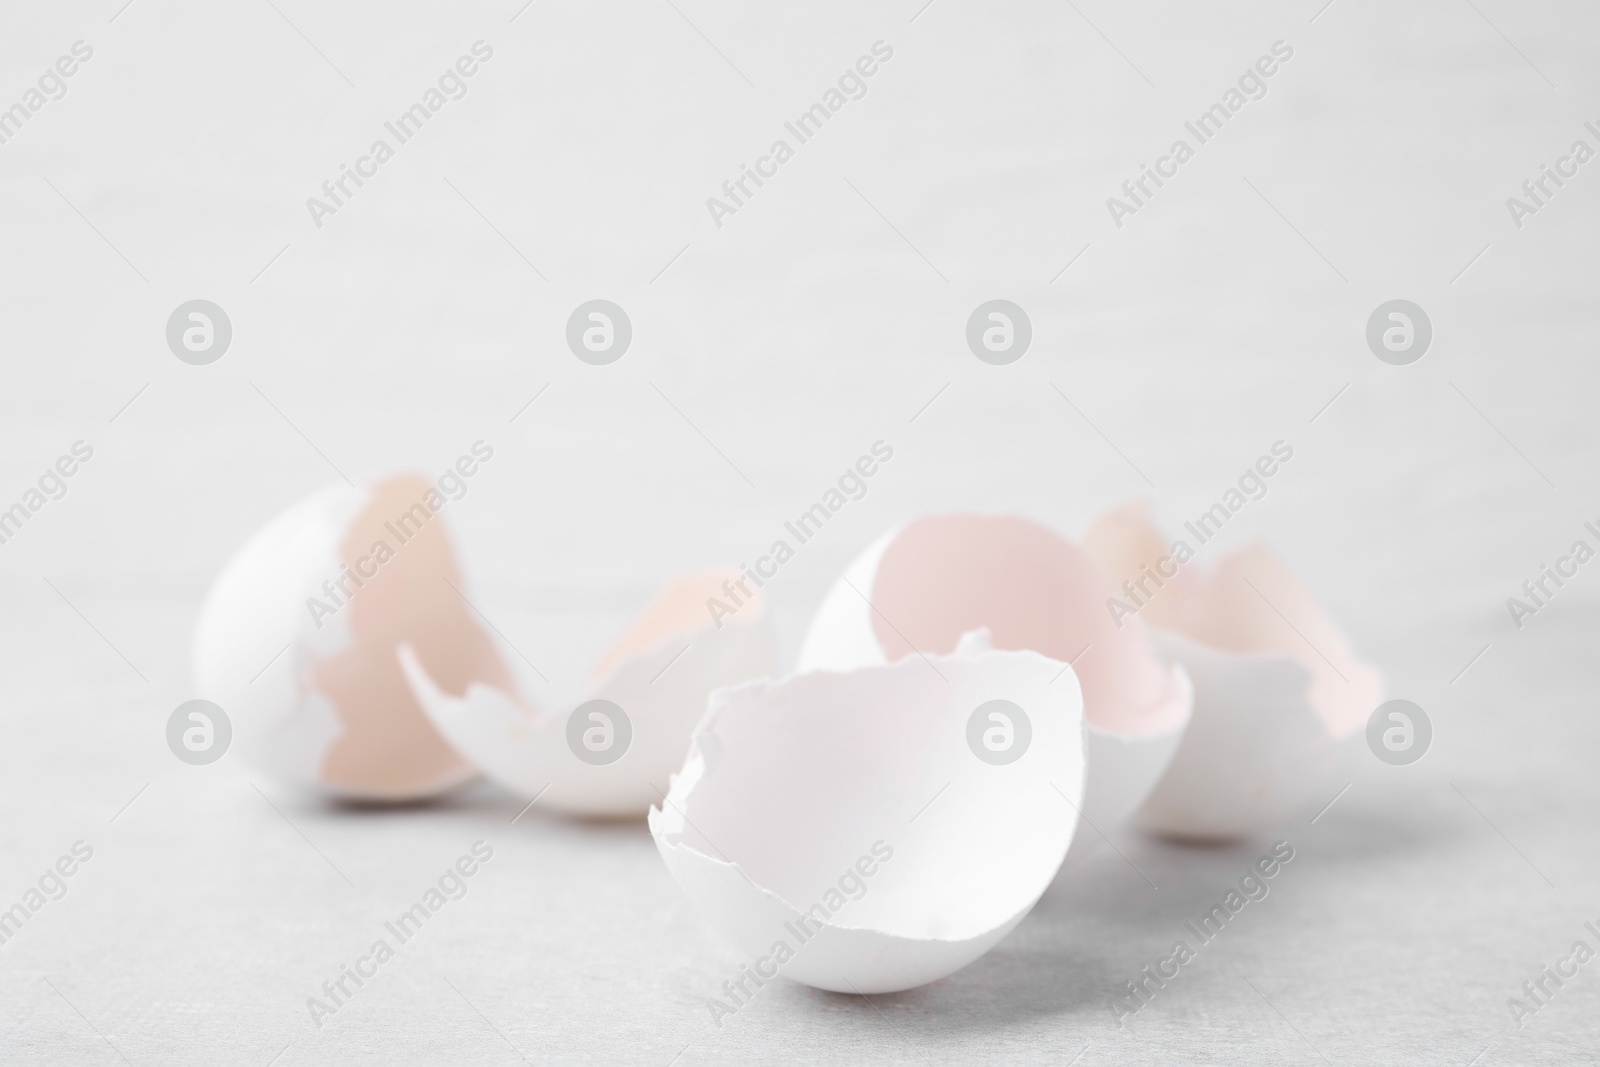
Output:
(822, 317)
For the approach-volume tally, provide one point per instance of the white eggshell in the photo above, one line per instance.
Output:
(254, 608)
(315, 698)
(507, 743)
(525, 751)
(1136, 716)
(795, 789)
(662, 690)
(1280, 696)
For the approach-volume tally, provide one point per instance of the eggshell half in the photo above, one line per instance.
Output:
(332, 712)
(935, 578)
(795, 790)
(1280, 697)
(660, 674)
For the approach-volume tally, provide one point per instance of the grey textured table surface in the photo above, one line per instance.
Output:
(824, 315)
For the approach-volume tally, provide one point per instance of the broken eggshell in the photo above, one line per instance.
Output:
(933, 579)
(1280, 697)
(659, 674)
(297, 634)
(840, 827)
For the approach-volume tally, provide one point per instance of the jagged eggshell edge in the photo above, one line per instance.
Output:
(663, 691)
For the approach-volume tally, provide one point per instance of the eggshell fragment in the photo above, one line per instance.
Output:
(659, 674)
(845, 816)
(296, 642)
(935, 578)
(1280, 697)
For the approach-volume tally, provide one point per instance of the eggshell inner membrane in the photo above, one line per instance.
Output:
(945, 575)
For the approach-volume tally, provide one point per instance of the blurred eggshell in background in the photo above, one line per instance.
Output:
(1279, 694)
(1253, 755)
(660, 674)
(302, 657)
(936, 578)
(847, 816)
